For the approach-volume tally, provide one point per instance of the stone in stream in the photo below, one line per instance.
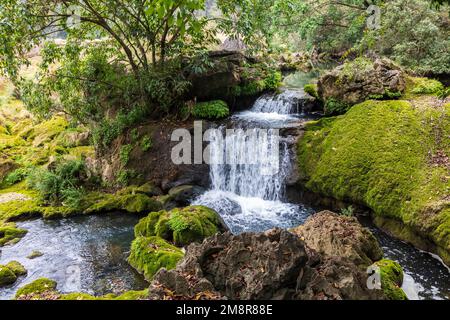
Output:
(276, 264)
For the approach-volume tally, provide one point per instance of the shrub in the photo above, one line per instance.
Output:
(146, 143)
(61, 185)
(273, 80)
(216, 109)
(335, 107)
(311, 89)
(124, 153)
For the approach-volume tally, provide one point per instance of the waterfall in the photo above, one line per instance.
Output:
(287, 102)
(249, 166)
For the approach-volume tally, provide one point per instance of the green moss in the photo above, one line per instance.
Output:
(45, 131)
(311, 89)
(182, 226)
(7, 276)
(146, 143)
(422, 86)
(149, 254)
(133, 295)
(378, 155)
(17, 268)
(357, 66)
(36, 288)
(133, 203)
(391, 279)
(9, 233)
(216, 109)
(335, 107)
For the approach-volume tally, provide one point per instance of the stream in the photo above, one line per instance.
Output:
(88, 253)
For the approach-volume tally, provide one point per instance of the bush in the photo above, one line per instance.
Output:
(273, 80)
(216, 109)
(335, 107)
(311, 89)
(62, 185)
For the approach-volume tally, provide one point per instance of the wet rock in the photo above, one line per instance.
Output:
(272, 265)
(17, 268)
(333, 235)
(184, 194)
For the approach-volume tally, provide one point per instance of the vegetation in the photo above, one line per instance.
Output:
(211, 110)
(383, 155)
(391, 279)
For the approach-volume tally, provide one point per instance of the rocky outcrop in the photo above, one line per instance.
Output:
(359, 80)
(272, 265)
(334, 235)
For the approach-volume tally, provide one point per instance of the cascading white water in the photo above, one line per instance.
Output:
(249, 163)
(249, 168)
(287, 102)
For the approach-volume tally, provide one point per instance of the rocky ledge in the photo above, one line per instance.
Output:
(281, 264)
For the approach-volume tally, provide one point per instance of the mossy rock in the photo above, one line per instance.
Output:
(149, 254)
(180, 226)
(211, 110)
(7, 276)
(391, 279)
(380, 155)
(36, 288)
(17, 268)
(9, 233)
(133, 203)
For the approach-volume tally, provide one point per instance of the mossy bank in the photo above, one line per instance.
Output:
(392, 157)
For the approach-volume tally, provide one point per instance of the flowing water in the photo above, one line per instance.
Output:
(248, 175)
(250, 197)
(86, 254)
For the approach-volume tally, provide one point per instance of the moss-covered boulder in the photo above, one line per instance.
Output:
(180, 226)
(9, 233)
(42, 288)
(7, 276)
(390, 156)
(391, 279)
(149, 254)
(17, 268)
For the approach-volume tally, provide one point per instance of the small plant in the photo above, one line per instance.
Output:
(336, 107)
(146, 143)
(134, 135)
(311, 89)
(124, 153)
(273, 80)
(124, 177)
(216, 109)
(348, 212)
(16, 176)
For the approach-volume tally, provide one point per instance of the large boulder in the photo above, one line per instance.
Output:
(335, 235)
(359, 80)
(272, 265)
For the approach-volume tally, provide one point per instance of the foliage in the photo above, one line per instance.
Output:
(217, 109)
(391, 274)
(348, 212)
(60, 185)
(311, 89)
(124, 153)
(182, 226)
(335, 107)
(146, 143)
(414, 34)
